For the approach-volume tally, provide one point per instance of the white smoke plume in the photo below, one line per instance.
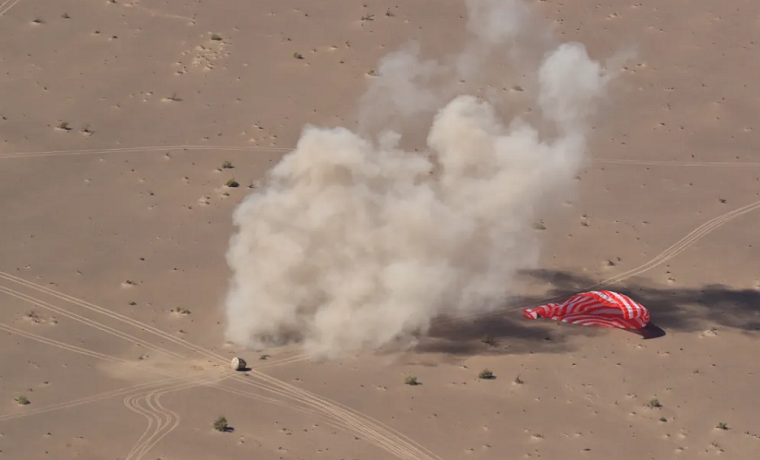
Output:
(355, 242)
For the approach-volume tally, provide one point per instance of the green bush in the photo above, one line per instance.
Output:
(486, 375)
(220, 424)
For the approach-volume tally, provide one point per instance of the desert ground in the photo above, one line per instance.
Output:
(117, 118)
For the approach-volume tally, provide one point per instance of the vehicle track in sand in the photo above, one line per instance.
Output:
(161, 421)
(146, 149)
(374, 431)
(672, 251)
(704, 164)
(157, 428)
(233, 148)
(182, 385)
(156, 13)
(6, 6)
(112, 393)
(377, 433)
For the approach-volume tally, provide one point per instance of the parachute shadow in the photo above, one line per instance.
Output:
(688, 309)
(508, 332)
(651, 331)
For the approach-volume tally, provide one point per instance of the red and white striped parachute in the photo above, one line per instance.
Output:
(595, 308)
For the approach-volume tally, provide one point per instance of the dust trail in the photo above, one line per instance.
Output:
(356, 243)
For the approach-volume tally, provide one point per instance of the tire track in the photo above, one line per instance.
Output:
(10, 4)
(164, 420)
(153, 148)
(57, 344)
(90, 353)
(672, 251)
(682, 244)
(155, 13)
(378, 433)
(158, 148)
(364, 424)
(172, 422)
(711, 164)
(280, 403)
(85, 400)
(155, 410)
(120, 392)
(154, 416)
(131, 404)
(349, 419)
(94, 324)
(402, 446)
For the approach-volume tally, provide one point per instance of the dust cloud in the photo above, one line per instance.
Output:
(355, 242)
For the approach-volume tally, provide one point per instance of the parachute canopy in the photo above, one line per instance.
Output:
(595, 308)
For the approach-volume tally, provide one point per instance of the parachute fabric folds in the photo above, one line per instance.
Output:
(594, 308)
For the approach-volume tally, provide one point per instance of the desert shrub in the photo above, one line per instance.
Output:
(486, 374)
(220, 424)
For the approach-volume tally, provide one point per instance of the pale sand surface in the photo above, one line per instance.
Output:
(80, 218)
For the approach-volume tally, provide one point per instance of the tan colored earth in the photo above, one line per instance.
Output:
(116, 118)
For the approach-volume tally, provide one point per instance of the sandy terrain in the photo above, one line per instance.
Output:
(116, 118)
